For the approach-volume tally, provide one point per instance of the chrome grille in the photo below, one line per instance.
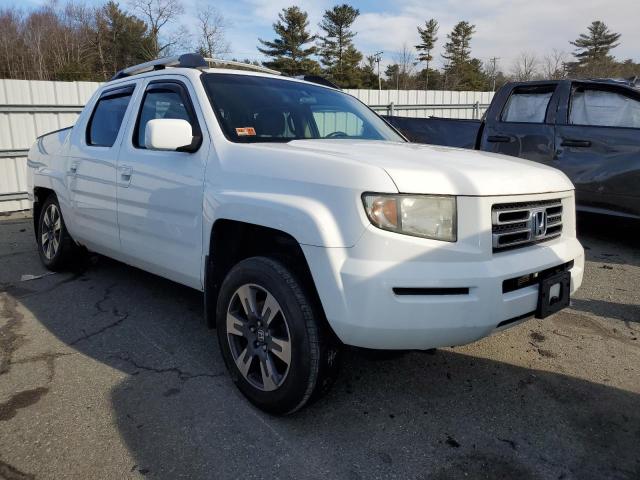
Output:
(521, 224)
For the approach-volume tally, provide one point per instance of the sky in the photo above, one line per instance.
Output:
(504, 28)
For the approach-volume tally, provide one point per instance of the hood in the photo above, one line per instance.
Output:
(430, 169)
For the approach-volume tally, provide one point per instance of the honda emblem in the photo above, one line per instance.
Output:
(539, 223)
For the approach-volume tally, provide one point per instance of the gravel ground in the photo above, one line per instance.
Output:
(110, 372)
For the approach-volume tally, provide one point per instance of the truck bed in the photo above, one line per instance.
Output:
(449, 132)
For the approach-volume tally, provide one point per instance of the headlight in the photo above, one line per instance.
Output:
(427, 216)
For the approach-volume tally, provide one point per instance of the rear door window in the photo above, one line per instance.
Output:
(107, 117)
(528, 105)
(604, 108)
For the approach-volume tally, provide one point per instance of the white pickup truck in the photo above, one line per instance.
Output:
(307, 221)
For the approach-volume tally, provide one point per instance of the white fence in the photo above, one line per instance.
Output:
(421, 103)
(30, 108)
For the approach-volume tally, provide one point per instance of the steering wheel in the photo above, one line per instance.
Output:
(336, 134)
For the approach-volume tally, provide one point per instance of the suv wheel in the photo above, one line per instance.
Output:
(55, 245)
(278, 350)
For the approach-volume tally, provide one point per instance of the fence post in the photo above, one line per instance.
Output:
(476, 110)
(390, 109)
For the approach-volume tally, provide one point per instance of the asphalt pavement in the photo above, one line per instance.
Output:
(108, 372)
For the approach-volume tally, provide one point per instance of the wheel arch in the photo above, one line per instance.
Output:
(232, 241)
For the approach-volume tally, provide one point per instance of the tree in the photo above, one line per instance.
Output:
(461, 71)
(400, 74)
(368, 72)
(288, 50)
(211, 25)
(118, 39)
(458, 48)
(431, 78)
(158, 14)
(554, 65)
(525, 67)
(592, 50)
(338, 54)
(428, 39)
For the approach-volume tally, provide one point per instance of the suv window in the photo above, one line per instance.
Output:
(107, 117)
(604, 108)
(160, 102)
(527, 105)
(336, 122)
(264, 109)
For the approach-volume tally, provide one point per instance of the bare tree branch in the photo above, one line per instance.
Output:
(212, 26)
(525, 67)
(157, 14)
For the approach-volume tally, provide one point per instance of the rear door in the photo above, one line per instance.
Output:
(525, 126)
(91, 170)
(160, 193)
(598, 146)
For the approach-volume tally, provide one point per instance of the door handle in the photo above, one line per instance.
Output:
(125, 173)
(498, 139)
(570, 142)
(73, 169)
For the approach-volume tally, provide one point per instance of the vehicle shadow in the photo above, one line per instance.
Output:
(611, 240)
(438, 415)
(619, 311)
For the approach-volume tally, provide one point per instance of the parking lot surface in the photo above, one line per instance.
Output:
(110, 372)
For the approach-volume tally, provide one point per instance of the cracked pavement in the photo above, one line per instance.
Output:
(110, 372)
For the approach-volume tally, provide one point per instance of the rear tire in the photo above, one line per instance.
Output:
(55, 245)
(274, 341)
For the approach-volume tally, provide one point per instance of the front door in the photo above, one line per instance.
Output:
(160, 193)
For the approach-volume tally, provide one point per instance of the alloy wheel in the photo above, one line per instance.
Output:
(259, 337)
(51, 231)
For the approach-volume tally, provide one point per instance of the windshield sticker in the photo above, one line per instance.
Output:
(245, 131)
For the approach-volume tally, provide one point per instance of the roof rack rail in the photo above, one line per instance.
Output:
(320, 80)
(247, 66)
(187, 60)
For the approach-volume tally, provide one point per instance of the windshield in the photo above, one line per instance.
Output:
(261, 109)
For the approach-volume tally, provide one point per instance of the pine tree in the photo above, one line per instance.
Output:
(428, 37)
(592, 50)
(119, 40)
(458, 48)
(461, 72)
(338, 54)
(368, 73)
(288, 50)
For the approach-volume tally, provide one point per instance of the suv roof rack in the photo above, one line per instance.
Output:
(246, 66)
(187, 60)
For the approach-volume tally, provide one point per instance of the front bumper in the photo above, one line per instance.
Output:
(356, 286)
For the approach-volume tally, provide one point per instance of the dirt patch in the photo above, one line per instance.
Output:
(11, 473)
(10, 339)
(537, 337)
(21, 400)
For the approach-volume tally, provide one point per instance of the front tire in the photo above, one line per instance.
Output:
(55, 245)
(273, 339)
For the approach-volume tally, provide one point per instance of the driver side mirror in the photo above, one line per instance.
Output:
(168, 134)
